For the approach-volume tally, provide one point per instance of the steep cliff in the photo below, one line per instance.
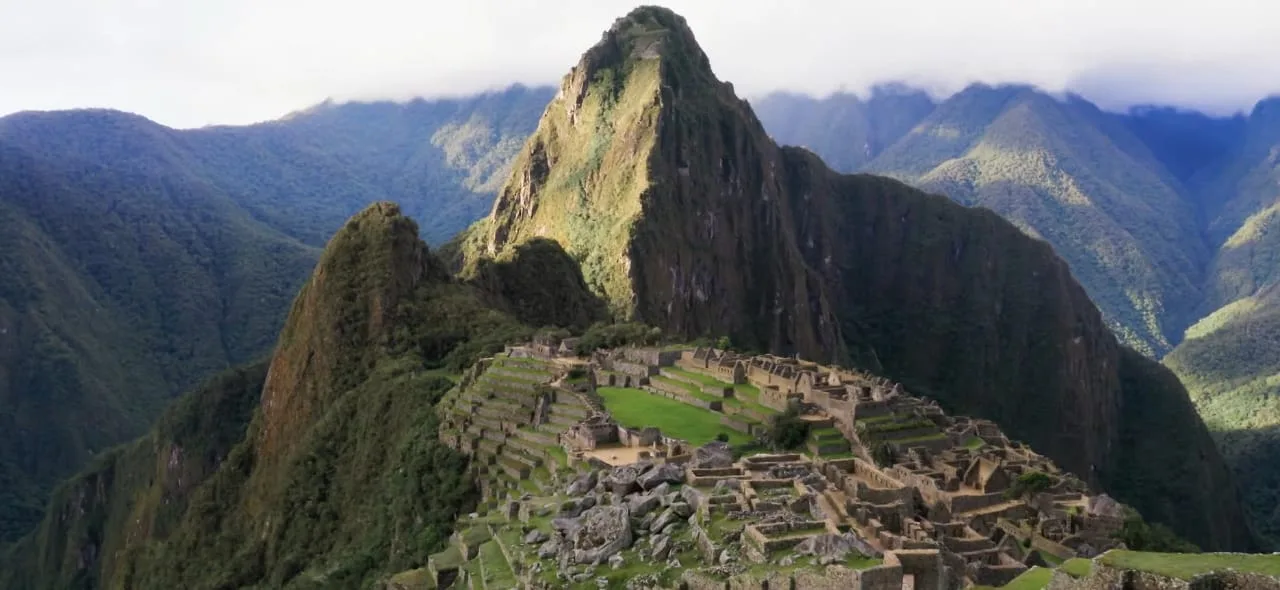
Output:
(100, 521)
(682, 213)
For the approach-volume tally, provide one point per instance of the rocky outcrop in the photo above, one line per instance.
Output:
(604, 531)
(684, 214)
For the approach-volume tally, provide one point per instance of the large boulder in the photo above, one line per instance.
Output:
(604, 531)
(582, 484)
(639, 505)
(713, 455)
(534, 537)
(549, 549)
(661, 547)
(623, 480)
(566, 526)
(668, 516)
(667, 473)
(830, 548)
(1104, 505)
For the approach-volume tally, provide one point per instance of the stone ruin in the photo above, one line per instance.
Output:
(894, 492)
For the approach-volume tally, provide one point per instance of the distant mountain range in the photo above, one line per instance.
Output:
(1165, 216)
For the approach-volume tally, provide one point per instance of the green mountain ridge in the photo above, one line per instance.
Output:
(1164, 216)
(683, 214)
(321, 468)
(140, 260)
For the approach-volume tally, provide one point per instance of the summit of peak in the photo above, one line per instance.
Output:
(646, 33)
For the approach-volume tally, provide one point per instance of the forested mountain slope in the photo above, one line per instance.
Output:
(1164, 216)
(139, 260)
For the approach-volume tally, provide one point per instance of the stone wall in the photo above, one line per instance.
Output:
(925, 567)
(736, 424)
(1038, 541)
(774, 398)
(652, 356)
(976, 502)
(634, 369)
(632, 437)
(682, 396)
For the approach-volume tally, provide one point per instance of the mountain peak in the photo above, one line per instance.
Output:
(648, 34)
(342, 319)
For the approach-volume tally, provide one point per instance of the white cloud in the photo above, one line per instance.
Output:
(189, 63)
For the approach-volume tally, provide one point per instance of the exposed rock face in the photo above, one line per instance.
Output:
(684, 214)
(604, 531)
(833, 548)
(641, 505)
(713, 455)
(582, 484)
(623, 480)
(666, 473)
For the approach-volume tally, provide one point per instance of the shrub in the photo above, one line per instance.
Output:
(601, 336)
(884, 455)
(1029, 484)
(723, 437)
(787, 430)
(1137, 535)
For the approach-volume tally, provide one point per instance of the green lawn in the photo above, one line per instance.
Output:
(497, 572)
(1189, 565)
(699, 377)
(560, 456)
(974, 443)
(1035, 578)
(639, 409)
(451, 557)
(1077, 567)
(1050, 558)
(826, 434)
(693, 390)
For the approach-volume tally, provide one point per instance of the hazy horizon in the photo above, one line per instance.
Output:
(239, 62)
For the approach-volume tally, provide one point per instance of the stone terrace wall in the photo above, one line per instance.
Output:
(652, 356)
(681, 395)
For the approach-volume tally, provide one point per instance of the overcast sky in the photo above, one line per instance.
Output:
(189, 63)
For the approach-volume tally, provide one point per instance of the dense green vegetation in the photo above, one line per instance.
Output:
(1165, 216)
(139, 259)
(118, 294)
(339, 478)
(787, 430)
(616, 335)
(1140, 535)
(1029, 484)
(136, 491)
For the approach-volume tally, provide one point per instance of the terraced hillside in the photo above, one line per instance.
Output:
(659, 468)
